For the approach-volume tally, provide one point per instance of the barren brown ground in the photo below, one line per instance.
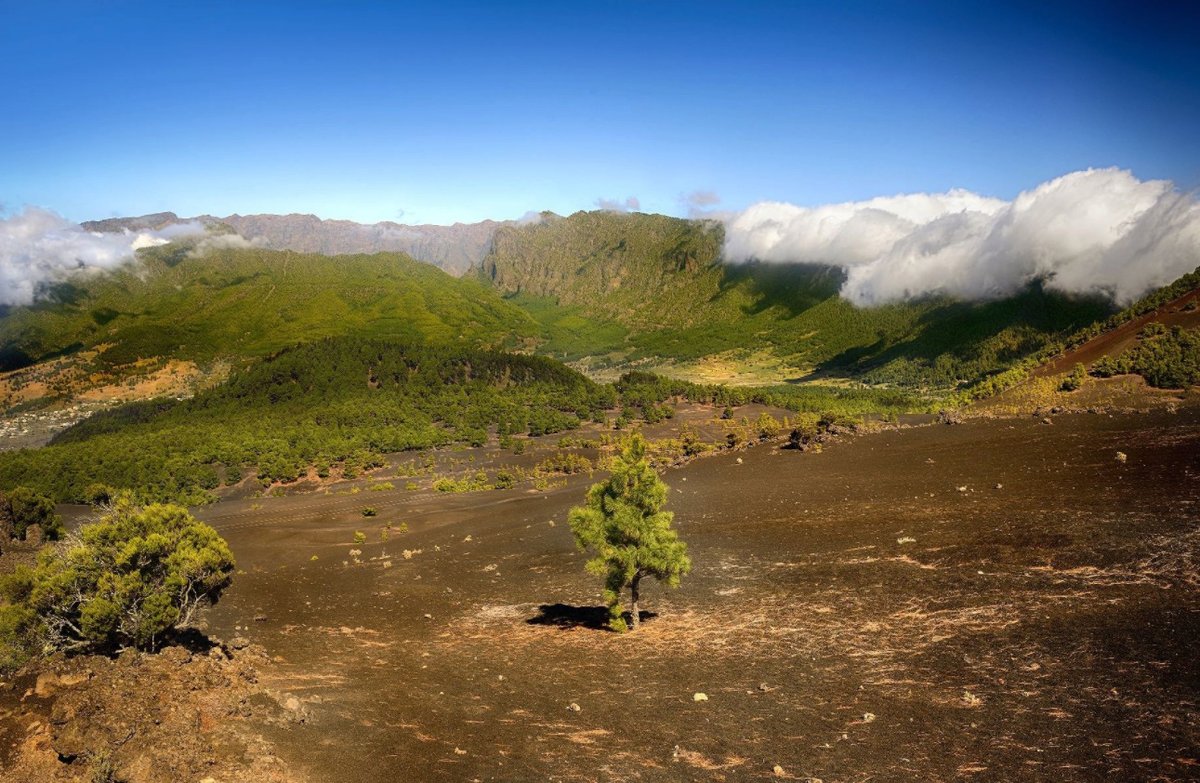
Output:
(1001, 600)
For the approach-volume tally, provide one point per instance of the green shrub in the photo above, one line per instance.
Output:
(98, 494)
(446, 484)
(1073, 381)
(567, 463)
(128, 580)
(768, 426)
(23, 508)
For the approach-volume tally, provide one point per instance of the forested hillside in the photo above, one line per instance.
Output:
(335, 402)
(339, 404)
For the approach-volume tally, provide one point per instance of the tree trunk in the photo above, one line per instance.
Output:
(634, 612)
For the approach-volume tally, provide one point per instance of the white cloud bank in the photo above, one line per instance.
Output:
(630, 204)
(39, 247)
(1096, 231)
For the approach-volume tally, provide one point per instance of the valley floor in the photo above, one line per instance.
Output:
(997, 600)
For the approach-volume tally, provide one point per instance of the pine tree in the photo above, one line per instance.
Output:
(630, 535)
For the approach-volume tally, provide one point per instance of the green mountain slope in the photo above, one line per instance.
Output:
(649, 290)
(179, 301)
(337, 402)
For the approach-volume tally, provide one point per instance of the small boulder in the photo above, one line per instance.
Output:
(47, 684)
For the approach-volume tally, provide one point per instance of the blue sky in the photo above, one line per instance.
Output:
(457, 111)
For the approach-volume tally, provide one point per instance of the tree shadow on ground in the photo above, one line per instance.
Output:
(566, 616)
(193, 640)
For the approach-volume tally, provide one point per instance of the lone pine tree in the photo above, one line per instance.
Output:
(623, 524)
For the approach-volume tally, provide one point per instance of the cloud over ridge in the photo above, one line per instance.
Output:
(1099, 231)
(39, 248)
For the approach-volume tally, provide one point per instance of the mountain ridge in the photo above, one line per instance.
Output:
(454, 248)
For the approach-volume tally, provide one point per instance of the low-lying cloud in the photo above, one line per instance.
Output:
(630, 204)
(1100, 231)
(701, 204)
(39, 248)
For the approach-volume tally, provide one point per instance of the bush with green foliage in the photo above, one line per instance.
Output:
(129, 580)
(23, 508)
(567, 463)
(1074, 380)
(630, 536)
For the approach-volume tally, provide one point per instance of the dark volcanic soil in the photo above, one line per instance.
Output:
(1001, 599)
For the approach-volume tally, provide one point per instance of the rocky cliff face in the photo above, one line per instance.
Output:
(638, 269)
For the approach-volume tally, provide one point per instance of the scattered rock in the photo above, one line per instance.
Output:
(739, 460)
(999, 486)
(777, 771)
(868, 717)
(1047, 420)
(948, 417)
(239, 643)
(1122, 457)
(698, 696)
(573, 707)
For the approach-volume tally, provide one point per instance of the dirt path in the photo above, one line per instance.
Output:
(1000, 600)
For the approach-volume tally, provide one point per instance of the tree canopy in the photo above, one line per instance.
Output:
(623, 524)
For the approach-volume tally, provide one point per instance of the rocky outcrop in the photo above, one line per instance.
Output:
(173, 716)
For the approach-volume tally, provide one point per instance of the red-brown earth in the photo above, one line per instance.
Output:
(997, 600)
